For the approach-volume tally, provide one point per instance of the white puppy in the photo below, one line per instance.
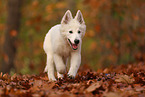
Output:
(63, 41)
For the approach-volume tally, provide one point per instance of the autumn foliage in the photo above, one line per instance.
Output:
(122, 81)
(115, 32)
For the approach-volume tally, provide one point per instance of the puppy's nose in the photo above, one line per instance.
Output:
(76, 41)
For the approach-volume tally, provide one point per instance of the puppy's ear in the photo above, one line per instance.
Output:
(67, 17)
(79, 17)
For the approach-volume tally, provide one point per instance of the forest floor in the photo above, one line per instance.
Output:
(120, 81)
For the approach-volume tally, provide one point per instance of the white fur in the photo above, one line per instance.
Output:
(58, 48)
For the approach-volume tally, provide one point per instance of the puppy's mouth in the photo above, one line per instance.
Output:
(74, 46)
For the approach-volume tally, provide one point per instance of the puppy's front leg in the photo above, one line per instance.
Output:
(65, 62)
(60, 66)
(75, 64)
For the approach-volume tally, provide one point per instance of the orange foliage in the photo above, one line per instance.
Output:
(135, 17)
(60, 5)
(96, 3)
(13, 33)
(97, 28)
(142, 30)
(112, 58)
(116, 50)
(93, 46)
(107, 45)
(2, 27)
(6, 58)
(35, 3)
(90, 33)
(127, 38)
(49, 8)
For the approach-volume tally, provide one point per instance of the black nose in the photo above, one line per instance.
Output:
(76, 41)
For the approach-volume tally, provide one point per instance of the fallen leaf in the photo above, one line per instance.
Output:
(87, 83)
(124, 79)
(111, 94)
(5, 76)
(93, 87)
(106, 70)
(14, 76)
(1, 75)
(37, 85)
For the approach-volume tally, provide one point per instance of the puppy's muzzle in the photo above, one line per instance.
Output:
(76, 41)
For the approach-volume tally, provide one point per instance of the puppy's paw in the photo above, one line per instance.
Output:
(52, 79)
(60, 76)
(70, 76)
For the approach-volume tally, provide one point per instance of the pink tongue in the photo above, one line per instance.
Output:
(74, 46)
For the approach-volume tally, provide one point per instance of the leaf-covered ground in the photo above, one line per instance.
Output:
(121, 81)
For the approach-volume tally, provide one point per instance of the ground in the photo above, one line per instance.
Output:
(119, 81)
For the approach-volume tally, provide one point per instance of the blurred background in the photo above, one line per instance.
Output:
(115, 32)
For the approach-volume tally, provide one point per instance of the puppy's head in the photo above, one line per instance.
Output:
(73, 29)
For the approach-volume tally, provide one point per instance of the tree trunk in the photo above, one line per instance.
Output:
(11, 31)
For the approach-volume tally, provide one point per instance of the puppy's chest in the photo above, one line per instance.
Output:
(63, 50)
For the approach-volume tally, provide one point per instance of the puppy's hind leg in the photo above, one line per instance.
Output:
(46, 68)
(50, 68)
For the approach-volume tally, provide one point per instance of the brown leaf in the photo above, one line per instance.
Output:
(47, 86)
(14, 76)
(52, 85)
(124, 79)
(106, 70)
(1, 75)
(93, 87)
(37, 85)
(111, 94)
(5, 76)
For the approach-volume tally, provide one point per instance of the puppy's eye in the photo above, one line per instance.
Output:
(70, 32)
(79, 32)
